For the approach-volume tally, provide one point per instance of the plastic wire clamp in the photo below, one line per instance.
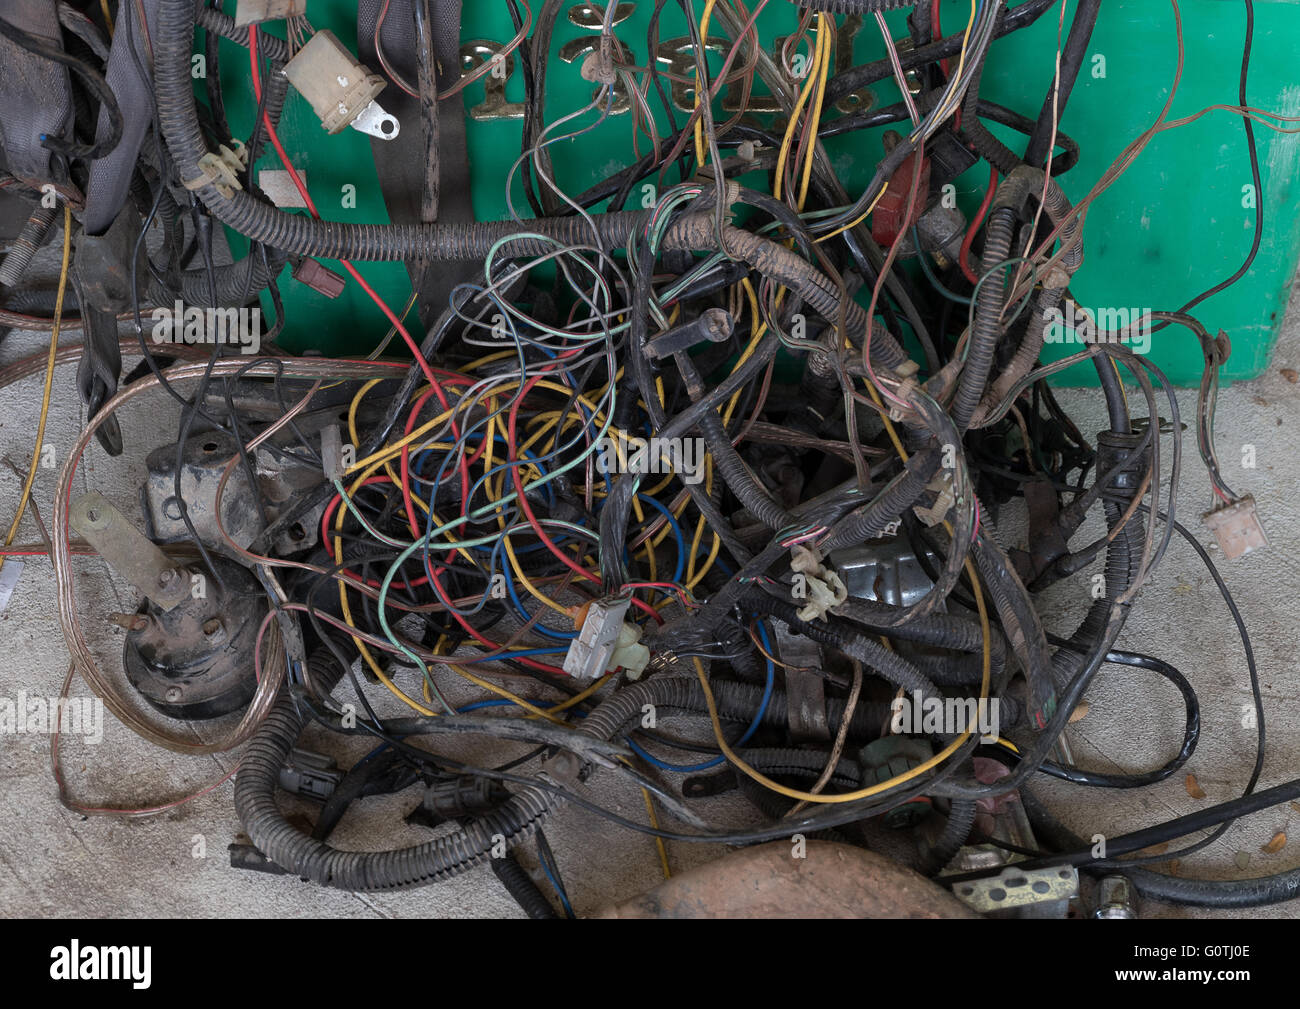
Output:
(221, 170)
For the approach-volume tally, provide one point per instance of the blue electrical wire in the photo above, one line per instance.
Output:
(559, 890)
(663, 765)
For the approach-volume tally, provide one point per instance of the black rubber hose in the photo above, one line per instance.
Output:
(236, 283)
(774, 761)
(738, 702)
(521, 887)
(956, 831)
(731, 467)
(986, 145)
(1072, 55)
(1023, 183)
(1113, 389)
(940, 630)
(937, 630)
(1019, 620)
(899, 495)
(1222, 894)
(38, 301)
(1123, 557)
(960, 670)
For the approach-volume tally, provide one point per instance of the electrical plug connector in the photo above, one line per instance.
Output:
(252, 12)
(341, 90)
(606, 641)
(1236, 526)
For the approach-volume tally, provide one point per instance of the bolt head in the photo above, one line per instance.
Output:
(173, 694)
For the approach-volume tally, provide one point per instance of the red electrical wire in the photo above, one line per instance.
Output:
(936, 32)
(964, 258)
(370, 291)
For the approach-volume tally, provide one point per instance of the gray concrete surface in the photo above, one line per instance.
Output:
(57, 862)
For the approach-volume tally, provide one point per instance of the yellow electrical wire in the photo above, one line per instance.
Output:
(787, 141)
(825, 27)
(659, 841)
(700, 152)
(857, 220)
(961, 62)
(49, 379)
(527, 582)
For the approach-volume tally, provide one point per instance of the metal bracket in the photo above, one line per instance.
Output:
(1022, 892)
(375, 122)
(128, 552)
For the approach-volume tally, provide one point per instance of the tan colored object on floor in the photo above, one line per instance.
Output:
(766, 881)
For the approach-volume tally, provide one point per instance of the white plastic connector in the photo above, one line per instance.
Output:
(331, 452)
(945, 498)
(590, 652)
(629, 654)
(341, 90)
(252, 12)
(1236, 526)
(823, 589)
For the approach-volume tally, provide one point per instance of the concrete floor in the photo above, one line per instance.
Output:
(56, 862)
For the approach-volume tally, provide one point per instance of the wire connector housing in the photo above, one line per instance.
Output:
(822, 588)
(252, 12)
(1236, 527)
(606, 641)
(341, 90)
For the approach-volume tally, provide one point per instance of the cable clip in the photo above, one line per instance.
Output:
(907, 387)
(221, 170)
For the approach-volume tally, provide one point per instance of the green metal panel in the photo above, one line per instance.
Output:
(1174, 224)
(1177, 222)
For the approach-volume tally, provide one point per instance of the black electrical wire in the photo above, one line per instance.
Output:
(1191, 731)
(95, 84)
(610, 320)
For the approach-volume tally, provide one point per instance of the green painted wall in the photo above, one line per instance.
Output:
(1174, 224)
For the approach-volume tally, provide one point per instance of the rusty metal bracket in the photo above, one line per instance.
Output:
(128, 552)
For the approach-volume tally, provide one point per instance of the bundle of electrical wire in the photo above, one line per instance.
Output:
(516, 468)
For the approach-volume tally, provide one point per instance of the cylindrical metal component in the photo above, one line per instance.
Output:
(1115, 898)
(25, 245)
